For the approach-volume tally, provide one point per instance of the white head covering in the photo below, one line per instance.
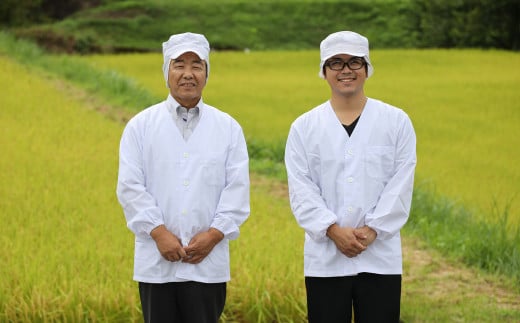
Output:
(344, 42)
(182, 43)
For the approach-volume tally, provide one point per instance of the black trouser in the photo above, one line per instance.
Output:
(185, 302)
(374, 298)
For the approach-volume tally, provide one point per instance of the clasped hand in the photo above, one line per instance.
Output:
(171, 248)
(351, 241)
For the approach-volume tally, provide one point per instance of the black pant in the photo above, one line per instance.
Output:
(184, 302)
(374, 298)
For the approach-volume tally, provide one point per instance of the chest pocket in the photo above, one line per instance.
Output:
(379, 162)
(213, 170)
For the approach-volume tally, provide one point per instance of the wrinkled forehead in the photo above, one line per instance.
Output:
(188, 56)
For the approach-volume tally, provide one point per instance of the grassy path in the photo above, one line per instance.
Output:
(436, 289)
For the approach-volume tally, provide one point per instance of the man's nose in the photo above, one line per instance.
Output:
(187, 74)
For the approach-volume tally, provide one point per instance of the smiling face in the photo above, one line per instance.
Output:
(345, 82)
(187, 78)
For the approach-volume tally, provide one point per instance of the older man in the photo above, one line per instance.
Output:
(350, 164)
(184, 187)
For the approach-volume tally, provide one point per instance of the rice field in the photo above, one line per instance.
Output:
(465, 106)
(64, 246)
(67, 254)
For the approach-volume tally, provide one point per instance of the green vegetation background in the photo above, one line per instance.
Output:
(127, 25)
(67, 257)
(68, 254)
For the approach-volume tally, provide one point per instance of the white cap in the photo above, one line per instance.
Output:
(344, 42)
(182, 43)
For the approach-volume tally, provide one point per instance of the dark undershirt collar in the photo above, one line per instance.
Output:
(350, 127)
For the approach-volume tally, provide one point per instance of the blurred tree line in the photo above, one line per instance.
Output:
(466, 23)
(16, 13)
(427, 23)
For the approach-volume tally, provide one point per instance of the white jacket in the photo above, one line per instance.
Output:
(365, 179)
(189, 186)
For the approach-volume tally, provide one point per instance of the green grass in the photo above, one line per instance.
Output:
(255, 88)
(443, 225)
(466, 113)
(113, 87)
(466, 150)
(235, 24)
(267, 263)
(65, 248)
(465, 126)
(69, 256)
(437, 289)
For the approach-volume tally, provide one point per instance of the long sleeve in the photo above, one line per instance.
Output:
(139, 206)
(187, 184)
(233, 206)
(392, 209)
(306, 201)
(357, 180)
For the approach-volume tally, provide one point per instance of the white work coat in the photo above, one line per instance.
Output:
(189, 186)
(365, 179)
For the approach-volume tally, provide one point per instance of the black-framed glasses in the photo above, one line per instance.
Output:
(337, 64)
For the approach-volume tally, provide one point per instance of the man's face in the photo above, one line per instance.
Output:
(345, 81)
(187, 78)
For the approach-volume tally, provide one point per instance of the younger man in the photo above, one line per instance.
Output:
(350, 165)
